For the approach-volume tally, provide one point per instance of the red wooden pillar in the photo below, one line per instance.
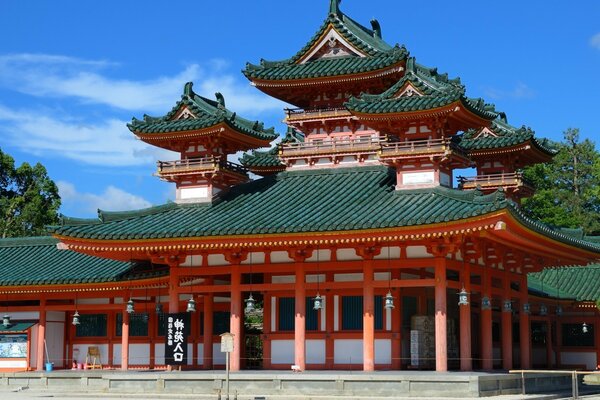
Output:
(300, 317)
(466, 361)
(441, 339)
(236, 317)
(267, 309)
(173, 290)
(125, 342)
(487, 354)
(507, 358)
(524, 329)
(329, 319)
(397, 326)
(207, 339)
(368, 317)
(40, 349)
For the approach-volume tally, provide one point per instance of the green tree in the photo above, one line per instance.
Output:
(567, 189)
(29, 199)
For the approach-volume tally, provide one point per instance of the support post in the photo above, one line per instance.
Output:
(441, 339)
(466, 362)
(524, 328)
(487, 362)
(207, 340)
(397, 327)
(41, 337)
(235, 317)
(300, 316)
(125, 342)
(368, 317)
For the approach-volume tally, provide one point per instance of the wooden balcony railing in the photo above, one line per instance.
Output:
(493, 181)
(206, 164)
(358, 145)
(296, 114)
(429, 146)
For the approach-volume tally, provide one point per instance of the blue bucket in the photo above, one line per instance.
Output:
(49, 367)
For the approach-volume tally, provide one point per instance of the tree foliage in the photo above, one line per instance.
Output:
(29, 199)
(568, 188)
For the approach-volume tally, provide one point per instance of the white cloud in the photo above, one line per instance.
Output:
(108, 143)
(595, 41)
(520, 91)
(112, 199)
(57, 76)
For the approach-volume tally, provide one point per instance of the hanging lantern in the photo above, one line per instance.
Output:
(486, 304)
(463, 297)
(318, 302)
(526, 308)
(6, 320)
(507, 305)
(389, 301)
(158, 308)
(130, 307)
(543, 310)
(250, 304)
(76, 318)
(559, 310)
(191, 305)
(584, 328)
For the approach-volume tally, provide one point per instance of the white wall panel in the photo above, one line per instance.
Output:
(282, 352)
(348, 351)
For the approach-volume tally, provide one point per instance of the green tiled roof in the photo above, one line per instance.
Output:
(577, 283)
(368, 41)
(37, 261)
(322, 200)
(16, 327)
(436, 91)
(504, 135)
(262, 159)
(325, 67)
(207, 113)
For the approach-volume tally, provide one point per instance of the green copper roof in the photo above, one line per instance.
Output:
(16, 327)
(262, 159)
(577, 283)
(378, 53)
(207, 113)
(310, 201)
(37, 261)
(436, 90)
(503, 135)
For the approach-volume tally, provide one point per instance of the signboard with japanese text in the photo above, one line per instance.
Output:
(176, 338)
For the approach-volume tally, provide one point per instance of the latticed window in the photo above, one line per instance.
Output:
(221, 322)
(287, 312)
(138, 324)
(91, 325)
(352, 313)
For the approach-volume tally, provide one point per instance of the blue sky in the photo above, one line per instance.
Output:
(73, 73)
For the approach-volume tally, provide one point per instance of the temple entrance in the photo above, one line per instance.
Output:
(253, 330)
(253, 347)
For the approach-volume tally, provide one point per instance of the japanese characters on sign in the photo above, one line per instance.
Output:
(176, 338)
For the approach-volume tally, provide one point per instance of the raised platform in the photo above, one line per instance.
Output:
(388, 384)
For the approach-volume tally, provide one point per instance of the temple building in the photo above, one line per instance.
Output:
(358, 242)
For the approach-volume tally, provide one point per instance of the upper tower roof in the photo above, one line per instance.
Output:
(340, 47)
(196, 117)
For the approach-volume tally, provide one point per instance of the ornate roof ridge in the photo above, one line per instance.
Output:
(109, 216)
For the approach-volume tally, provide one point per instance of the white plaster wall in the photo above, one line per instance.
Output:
(217, 259)
(192, 261)
(280, 257)
(283, 279)
(417, 252)
(94, 301)
(320, 278)
(55, 341)
(13, 364)
(282, 352)
(383, 351)
(255, 258)
(382, 276)
(218, 357)
(159, 353)
(348, 351)
(315, 351)
(323, 255)
(324, 313)
(347, 255)
(26, 315)
(80, 351)
(336, 313)
(348, 277)
(55, 316)
(273, 314)
(392, 252)
(200, 354)
(139, 354)
(586, 358)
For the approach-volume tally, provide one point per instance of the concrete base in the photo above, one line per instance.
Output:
(388, 384)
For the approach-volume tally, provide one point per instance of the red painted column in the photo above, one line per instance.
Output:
(524, 328)
(329, 318)
(397, 327)
(207, 339)
(236, 317)
(487, 354)
(125, 342)
(368, 317)
(300, 317)
(507, 358)
(441, 339)
(41, 337)
(466, 359)
(173, 290)
(267, 327)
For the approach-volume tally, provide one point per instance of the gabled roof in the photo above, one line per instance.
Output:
(371, 52)
(573, 282)
(201, 113)
(37, 261)
(431, 90)
(324, 200)
(261, 159)
(501, 135)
